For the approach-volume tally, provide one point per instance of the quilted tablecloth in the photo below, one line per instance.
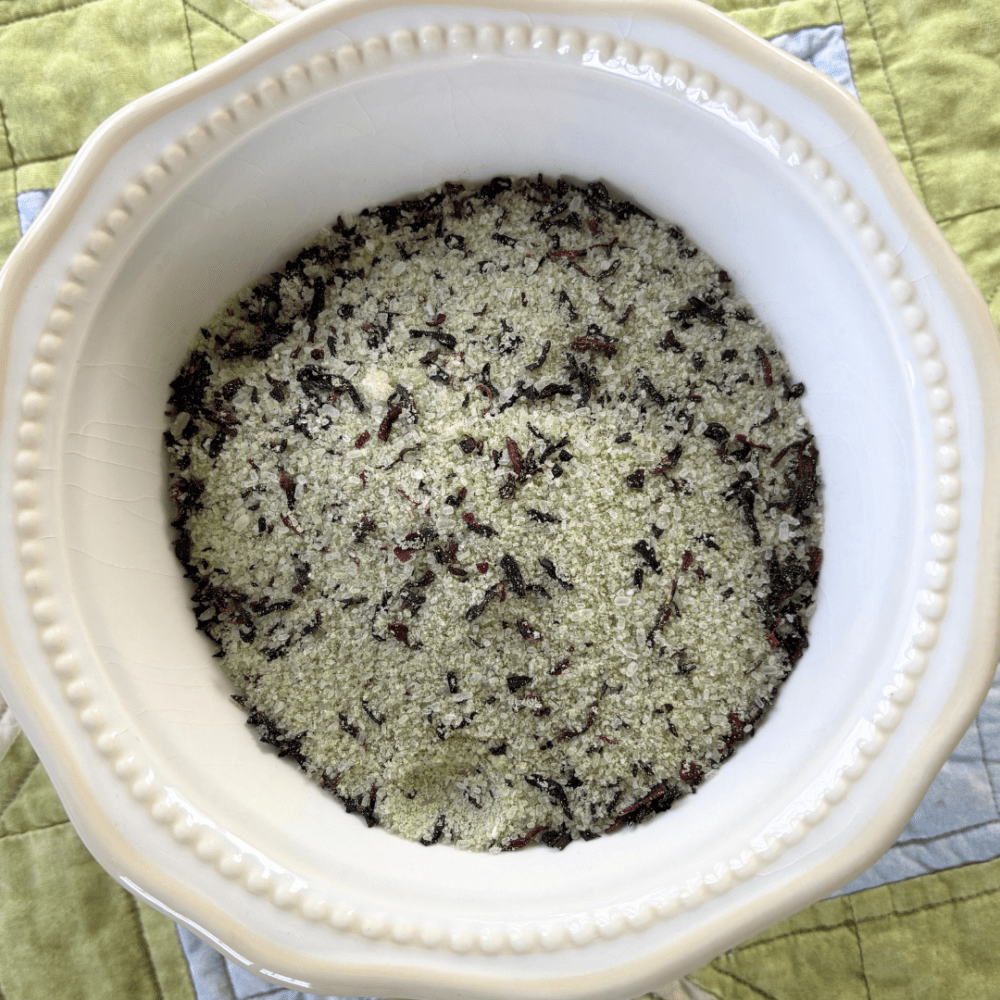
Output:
(922, 921)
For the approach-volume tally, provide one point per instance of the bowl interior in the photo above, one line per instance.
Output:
(398, 133)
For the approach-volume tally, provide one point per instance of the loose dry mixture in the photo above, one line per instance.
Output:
(502, 509)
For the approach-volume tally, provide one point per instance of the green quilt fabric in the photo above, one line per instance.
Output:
(67, 929)
(929, 73)
(68, 64)
(932, 937)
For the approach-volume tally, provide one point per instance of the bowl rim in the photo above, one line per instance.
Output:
(100, 833)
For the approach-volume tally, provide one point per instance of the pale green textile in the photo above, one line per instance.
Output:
(929, 73)
(65, 65)
(932, 937)
(67, 930)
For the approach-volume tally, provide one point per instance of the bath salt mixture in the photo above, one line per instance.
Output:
(502, 509)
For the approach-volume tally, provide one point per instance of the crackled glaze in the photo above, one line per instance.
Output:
(211, 843)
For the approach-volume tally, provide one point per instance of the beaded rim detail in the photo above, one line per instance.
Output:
(652, 67)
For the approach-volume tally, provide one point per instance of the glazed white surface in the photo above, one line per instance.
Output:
(755, 160)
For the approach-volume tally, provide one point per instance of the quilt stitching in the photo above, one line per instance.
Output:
(927, 907)
(62, 10)
(6, 134)
(853, 925)
(743, 982)
(187, 31)
(932, 838)
(46, 159)
(799, 932)
(208, 17)
(35, 829)
(966, 215)
(895, 101)
(145, 944)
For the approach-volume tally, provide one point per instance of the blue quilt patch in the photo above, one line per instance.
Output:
(29, 204)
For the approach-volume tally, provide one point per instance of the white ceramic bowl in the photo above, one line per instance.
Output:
(192, 191)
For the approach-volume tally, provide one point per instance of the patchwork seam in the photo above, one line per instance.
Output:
(46, 159)
(743, 982)
(853, 924)
(187, 31)
(933, 838)
(799, 932)
(6, 134)
(145, 945)
(966, 215)
(895, 101)
(218, 24)
(34, 830)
